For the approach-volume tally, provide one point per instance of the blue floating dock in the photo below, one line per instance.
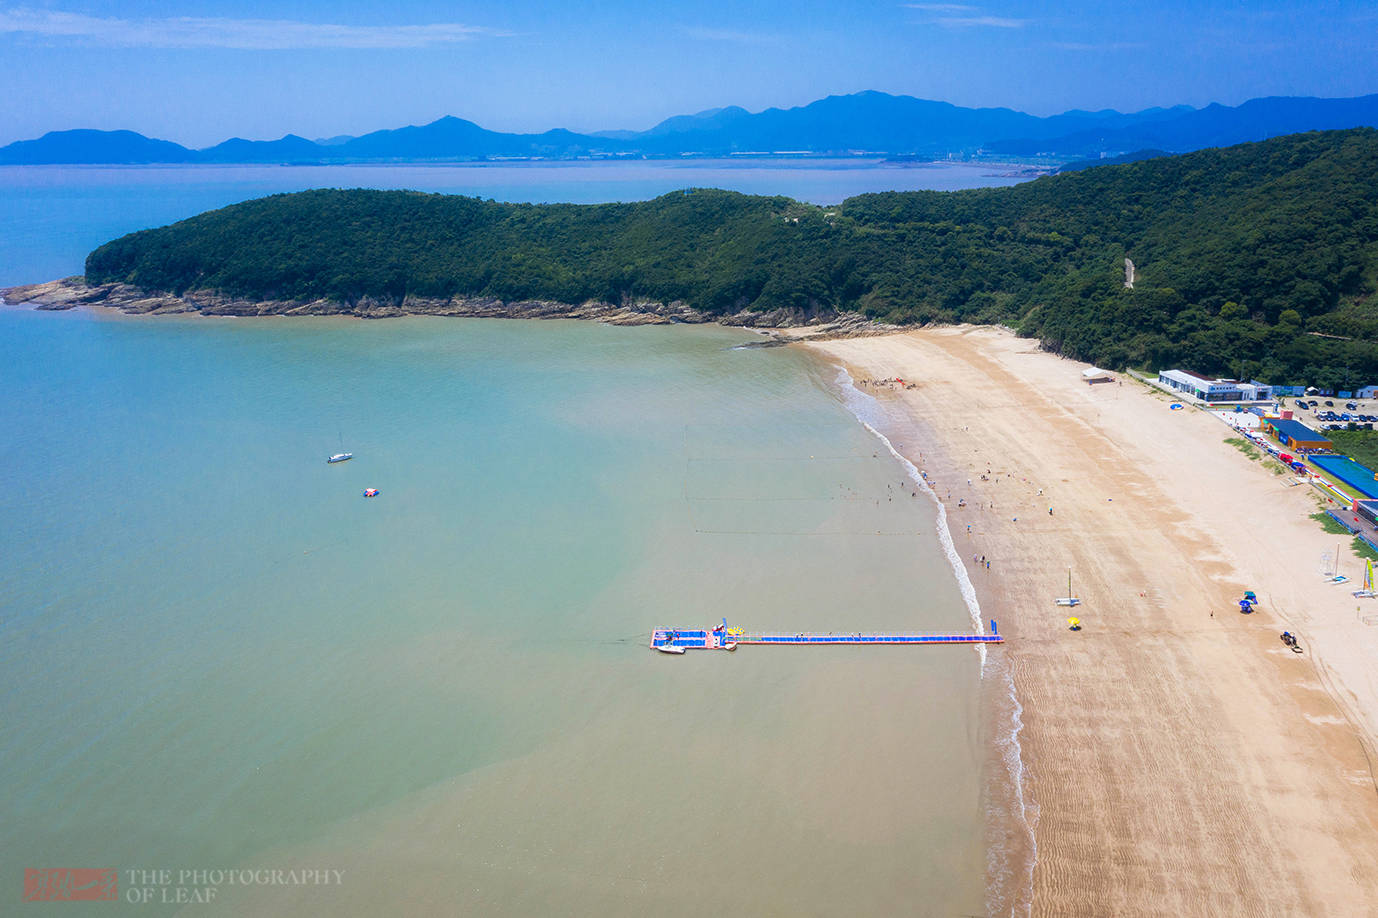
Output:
(678, 640)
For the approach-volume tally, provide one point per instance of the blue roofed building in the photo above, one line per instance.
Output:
(1295, 434)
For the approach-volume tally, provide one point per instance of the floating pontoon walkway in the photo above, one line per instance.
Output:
(678, 640)
(809, 637)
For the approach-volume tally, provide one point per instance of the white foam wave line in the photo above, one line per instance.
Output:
(1023, 806)
(1012, 751)
(959, 570)
(964, 584)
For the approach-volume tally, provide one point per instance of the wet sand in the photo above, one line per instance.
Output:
(1181, 760)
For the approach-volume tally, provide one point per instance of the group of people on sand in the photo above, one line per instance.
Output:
(990, 475)
(895, 383)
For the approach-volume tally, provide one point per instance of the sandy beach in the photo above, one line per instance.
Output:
(1181, 760)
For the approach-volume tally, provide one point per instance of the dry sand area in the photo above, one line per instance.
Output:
(1184, 762)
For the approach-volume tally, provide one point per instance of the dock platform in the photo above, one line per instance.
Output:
(679, 640)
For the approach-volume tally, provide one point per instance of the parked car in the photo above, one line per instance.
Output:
(1351, 406)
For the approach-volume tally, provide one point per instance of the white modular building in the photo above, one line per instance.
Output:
(1214, 390)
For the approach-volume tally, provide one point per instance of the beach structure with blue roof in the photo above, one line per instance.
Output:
(1295, 434)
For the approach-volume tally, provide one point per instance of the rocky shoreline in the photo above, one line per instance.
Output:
(73, 292)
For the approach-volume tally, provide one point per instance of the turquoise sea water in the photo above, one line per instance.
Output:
(215, 653)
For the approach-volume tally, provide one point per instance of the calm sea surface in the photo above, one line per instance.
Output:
(215, 653)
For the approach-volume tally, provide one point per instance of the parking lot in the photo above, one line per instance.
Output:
(1337, 414)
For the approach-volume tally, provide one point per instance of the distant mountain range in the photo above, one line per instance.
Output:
(862, 123)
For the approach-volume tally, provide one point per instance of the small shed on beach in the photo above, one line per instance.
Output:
(1093, 375)
(1295, 434)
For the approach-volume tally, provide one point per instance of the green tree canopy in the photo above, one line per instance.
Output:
(1262, 256)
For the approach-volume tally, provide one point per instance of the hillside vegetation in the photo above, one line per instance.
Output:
(1255, 260)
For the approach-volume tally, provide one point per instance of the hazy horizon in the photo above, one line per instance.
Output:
(319, 70)
(536, 131)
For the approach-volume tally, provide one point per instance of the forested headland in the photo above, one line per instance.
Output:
(1257, 260)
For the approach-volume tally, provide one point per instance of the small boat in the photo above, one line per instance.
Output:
(669, 648)
(370, 492)
(340, 457)
(1367, 591)
(1069, 600)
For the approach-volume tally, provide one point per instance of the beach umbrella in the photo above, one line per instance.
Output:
(1075, 623)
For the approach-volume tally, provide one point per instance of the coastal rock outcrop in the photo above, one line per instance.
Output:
(72, 292)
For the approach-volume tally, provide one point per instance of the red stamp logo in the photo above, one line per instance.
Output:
(70, 884)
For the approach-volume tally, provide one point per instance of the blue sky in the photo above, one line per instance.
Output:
(199, 71)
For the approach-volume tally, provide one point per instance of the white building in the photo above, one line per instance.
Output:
(1215, 390)
(1095, 375)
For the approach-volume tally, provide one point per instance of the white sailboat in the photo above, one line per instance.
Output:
(1070, 599)
(341, 456)
(1367, 592)
(1335, 576)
